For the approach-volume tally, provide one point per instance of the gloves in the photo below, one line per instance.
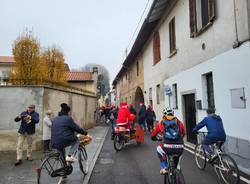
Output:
(154, 138)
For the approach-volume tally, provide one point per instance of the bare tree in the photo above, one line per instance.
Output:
(103, 76)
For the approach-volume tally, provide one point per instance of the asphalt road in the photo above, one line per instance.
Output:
(140, 165)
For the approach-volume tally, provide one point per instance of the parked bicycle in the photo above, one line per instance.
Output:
(223, 164)
(54, 168)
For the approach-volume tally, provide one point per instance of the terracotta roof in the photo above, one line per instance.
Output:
(7, 59)
(79, 76)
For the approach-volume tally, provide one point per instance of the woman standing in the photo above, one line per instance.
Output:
(47, 123)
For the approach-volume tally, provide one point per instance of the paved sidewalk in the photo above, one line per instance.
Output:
(25, 173)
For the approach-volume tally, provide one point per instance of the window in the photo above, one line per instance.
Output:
(150, 93)
(137, 68)
(202, 14)
(158, 94)
(208, 90)
(175, 97)
(156, 48)
(172, 41)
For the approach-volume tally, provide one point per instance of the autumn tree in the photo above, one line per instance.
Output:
(54, 59)
(29, 68)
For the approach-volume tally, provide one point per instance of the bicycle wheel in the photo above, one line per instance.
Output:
(118, 143)
(45, 172)
(228, 169)
(83, 160)
(200, 157)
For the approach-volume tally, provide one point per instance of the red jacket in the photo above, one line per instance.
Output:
(160, 129)
(123, 115)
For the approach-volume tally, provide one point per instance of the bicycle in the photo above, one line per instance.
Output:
(174, 174)
(54, 168)
(221, 161)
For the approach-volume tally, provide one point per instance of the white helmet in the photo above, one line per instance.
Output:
(167, 111)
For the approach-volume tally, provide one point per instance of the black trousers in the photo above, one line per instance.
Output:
(46, 145)
(150, 125)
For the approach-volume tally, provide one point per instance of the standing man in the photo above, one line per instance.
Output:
(47, 123)
(150, 118)
(29, 119)
(142, 115)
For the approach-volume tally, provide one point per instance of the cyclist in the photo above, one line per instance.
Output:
(215, 130)
(123, 116)
(172, 131)
(63, 133)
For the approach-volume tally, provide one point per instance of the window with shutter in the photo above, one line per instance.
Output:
(172, 38)
(201, 14)
(156, 48)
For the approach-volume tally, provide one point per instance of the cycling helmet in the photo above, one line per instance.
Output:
(167, 111)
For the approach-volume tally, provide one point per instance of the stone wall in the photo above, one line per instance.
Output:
(14, 100)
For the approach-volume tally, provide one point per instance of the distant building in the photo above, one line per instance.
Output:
(83, 80)
(6, 63)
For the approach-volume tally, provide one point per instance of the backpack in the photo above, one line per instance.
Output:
(171, 130)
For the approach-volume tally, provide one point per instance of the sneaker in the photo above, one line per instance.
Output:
(18, 162)
(163, 171)
(71, 159)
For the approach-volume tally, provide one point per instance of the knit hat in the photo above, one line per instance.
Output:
(65, 107)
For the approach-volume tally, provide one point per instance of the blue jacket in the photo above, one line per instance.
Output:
(214, 126)
(25, 127)
(63, 131)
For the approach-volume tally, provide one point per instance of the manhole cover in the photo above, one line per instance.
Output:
(106, 161)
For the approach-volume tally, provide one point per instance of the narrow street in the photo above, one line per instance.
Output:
(140, 165)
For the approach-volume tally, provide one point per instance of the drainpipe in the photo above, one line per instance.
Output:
(237, 43)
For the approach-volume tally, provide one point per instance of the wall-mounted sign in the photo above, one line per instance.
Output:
(168, 90)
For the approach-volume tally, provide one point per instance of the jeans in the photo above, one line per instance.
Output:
(206, 144)
(142, 123)
(73, 148)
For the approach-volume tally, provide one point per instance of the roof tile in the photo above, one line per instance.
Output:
(79, 76)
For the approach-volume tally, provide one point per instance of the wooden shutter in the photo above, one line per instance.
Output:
(156, 48)
(211, 9)
(192, 16)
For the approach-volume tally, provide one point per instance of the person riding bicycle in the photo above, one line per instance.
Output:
(172, 131)
(123, 116)
(63, 133)
(215, 130)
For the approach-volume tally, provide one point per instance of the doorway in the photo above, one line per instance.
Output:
(190, 117)
(139, 97)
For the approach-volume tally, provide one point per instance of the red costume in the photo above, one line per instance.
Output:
(123, 116)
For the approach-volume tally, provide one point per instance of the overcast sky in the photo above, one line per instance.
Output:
(87, 31)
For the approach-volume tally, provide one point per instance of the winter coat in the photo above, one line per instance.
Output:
(63, 131)
(29, 128)
(132, 110)
(123, 115)
(142, 112)
(150, 115)
(159, 129)
(214, 126)
(47, 128)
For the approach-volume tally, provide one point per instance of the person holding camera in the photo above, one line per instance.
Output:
(29, 119)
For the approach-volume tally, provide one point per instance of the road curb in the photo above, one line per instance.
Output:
(92, 165)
